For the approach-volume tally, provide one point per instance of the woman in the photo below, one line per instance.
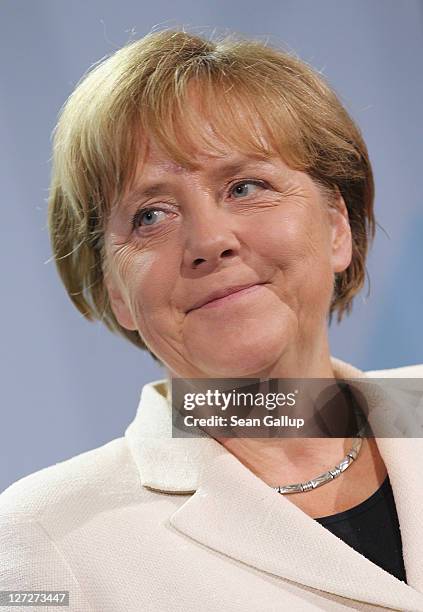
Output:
(213, 203)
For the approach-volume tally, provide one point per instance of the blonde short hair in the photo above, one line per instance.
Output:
(140, 91)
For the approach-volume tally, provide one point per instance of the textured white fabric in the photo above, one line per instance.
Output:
(150, 523)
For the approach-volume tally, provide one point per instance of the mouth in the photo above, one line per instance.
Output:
(227, 295)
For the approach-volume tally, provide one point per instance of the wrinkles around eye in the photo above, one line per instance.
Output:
(151, 208)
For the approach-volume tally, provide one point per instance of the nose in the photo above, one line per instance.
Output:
(210, 238)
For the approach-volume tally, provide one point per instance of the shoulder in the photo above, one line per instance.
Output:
(38, 511)
(86, 483)
(410, 371)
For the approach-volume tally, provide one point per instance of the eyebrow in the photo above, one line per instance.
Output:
(219, 173)
(145, 192)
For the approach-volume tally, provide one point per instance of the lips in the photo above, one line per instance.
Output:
(220, 293)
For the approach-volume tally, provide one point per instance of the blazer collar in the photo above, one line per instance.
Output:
(281, 539)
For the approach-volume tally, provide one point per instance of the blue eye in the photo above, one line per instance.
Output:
(243, 189)
(146, 217)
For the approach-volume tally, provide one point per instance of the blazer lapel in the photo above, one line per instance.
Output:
(235, 513)
(403, 459)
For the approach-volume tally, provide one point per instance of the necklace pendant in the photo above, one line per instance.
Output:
(293, 488)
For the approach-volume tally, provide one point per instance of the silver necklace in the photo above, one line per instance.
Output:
(318, 481)
(336, 471)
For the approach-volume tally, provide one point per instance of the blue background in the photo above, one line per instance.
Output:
(69, 385)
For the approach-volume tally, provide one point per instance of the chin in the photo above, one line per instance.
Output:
(240, 357)
(237, 369)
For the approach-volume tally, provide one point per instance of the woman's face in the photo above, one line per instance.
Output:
(236, 220)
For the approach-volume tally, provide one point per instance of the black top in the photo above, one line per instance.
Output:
(372, 528)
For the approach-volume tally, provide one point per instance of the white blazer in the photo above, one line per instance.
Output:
(150, 523)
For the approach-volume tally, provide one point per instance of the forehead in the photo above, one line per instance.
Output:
(153, 157)
(155, 160)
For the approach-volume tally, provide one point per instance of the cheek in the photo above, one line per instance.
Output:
(292, 239)
(150, 279)
(297, 248)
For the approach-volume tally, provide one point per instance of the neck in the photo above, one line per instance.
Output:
(281, 461)
(288, 460)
